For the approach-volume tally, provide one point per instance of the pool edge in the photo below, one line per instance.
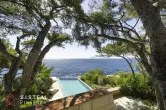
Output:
(71, 78)
(85, 83)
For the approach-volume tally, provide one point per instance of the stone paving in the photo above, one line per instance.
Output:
(126, 103)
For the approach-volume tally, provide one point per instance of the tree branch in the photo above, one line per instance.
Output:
(134, 39)
(15, 64)
(18, 43)
(88, 20)
(31, 6)
(118, 39)
(15, 2)
(40, 58)
(45, 50)
(11, 26)
(136, 23)
(18, 47)
(129, 63)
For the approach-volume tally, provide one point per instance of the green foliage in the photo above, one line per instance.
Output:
(41, 86)
(112, 80)
(28, 104)
(58, 39)
(4, 61)
(29, 42)
(23, 17)
(103, 13)
(92, 76)
(102, 17)
(139, 87)
(117, 49)
(33, 89)
(45, 72)
(2, 104)
(131, 12)
(96, 86)
(42, 83)
(36, 102)
(47, 83)
(57, 36)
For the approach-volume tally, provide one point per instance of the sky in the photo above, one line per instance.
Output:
(71, 51)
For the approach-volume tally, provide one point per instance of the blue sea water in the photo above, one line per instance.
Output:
(76, 67)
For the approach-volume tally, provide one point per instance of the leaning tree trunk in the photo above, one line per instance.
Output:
(33, 55)
(150, 16)
(149, 70)
(9, 79)
(129, 63)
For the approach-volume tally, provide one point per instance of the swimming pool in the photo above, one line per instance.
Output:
(72, 86)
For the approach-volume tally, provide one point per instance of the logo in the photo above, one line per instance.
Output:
(32, 99)
(10, 100)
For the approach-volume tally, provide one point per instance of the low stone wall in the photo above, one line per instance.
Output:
(115, 91)
(92, 100)
(101, 103)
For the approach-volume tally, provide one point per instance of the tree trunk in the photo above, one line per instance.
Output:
(150, 16)
(149, 70)
(159, 98)
(16, 95)
(40, 58)
(132, 70)
(9, 79)
(158, 58)
(33, 55)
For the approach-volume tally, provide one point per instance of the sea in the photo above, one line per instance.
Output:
(76, 67)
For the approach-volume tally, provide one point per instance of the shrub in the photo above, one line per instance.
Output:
(139, 87)
(40, 86)
(32, 90)
(42, 82)
(96, 76)
(45, 72)
(36, 102)
(112, 81)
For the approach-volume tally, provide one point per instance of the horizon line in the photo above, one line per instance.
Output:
(87, 58)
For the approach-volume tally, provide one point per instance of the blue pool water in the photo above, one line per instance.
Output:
(72, 86)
